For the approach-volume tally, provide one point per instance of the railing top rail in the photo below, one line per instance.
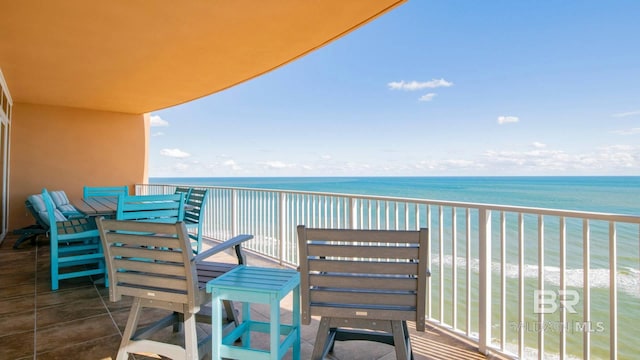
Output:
(479, 206)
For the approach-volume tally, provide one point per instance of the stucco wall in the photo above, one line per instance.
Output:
(65, 148)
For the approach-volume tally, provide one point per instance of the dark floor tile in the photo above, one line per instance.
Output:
(17, 290)
(44, 283)
(69, 311)
(66, 296)
(74, 332)
(17, 323)
(15, 346)
(14, 305)
(14, 261)
(8, 279)
(101, 348)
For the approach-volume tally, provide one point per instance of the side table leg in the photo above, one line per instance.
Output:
(296, 321)
(246, 319)
(274, 327)
(216, 325)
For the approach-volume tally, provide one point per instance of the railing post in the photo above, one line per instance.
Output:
(354, 213)
(484, 311)
(282, 218)
(234, 212)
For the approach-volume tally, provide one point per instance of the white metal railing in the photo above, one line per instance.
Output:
(547, 283)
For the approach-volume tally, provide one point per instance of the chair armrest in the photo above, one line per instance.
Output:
(235, 241)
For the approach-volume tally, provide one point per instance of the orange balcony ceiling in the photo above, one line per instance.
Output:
(140, 56)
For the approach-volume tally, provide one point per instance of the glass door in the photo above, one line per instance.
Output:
(6, 105)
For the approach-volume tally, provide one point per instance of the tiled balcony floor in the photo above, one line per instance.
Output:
(79, 322)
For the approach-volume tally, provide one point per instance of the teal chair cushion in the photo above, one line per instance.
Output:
(61, 201)
(59, 198)
(38, 205)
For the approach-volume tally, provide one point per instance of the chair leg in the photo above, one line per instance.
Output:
(321, 339)
(400, 340)
(132, 324)
(231, 312)
(190, 335)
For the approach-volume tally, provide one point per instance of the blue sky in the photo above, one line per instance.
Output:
(433, 88)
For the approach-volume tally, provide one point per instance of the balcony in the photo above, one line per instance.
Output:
(506, 281)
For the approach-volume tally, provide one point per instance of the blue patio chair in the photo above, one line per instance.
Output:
(183, 190)
(151, 208)
(75, 243)
(31, 232)
(193, 216)
(91, 191)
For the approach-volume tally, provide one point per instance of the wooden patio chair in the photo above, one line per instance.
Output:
(193, 217)
(153, 262)
(75, 247)
(93, 191)
(364, 284)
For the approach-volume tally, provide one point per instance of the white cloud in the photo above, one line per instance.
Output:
(277, 165)
(427, 97)
(632, 131)
(181, 167)
(159, 133)
(538, 145)
(507, 119)
(604, 159)
(325, 157)
(158, 121)
(628, 113)
(175, 153)
(231, 164)
(415, 85)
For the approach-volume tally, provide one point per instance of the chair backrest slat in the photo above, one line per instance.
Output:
(104, 191)
(149, 260)
(197, 200)
(363, 274)
(151, 208)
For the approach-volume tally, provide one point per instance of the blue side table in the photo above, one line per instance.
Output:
(250, 284)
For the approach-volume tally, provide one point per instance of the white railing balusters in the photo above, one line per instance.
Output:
(441, 260)
(429, 257)
(563, 287)
(541, 285)
(454, 269)
(520, 324)
(484, 311)
(613, 292)
(234, 213)
(387, 214)
(586, 289)
(503, 280)
(406, 216)
(468, 265)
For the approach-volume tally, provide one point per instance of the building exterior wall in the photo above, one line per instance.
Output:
(63, 148)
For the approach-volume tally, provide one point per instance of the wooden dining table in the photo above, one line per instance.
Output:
(97, 205)
(103, 206)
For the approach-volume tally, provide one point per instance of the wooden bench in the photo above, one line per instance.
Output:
(364, 284)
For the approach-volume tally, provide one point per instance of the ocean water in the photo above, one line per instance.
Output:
(612, 194)
(620, 195)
